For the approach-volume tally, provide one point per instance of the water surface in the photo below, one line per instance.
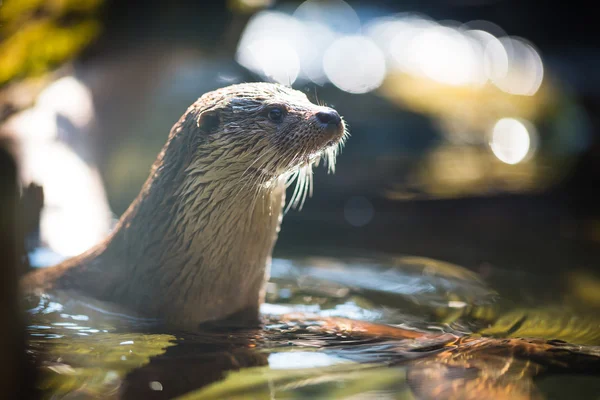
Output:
(316, 341)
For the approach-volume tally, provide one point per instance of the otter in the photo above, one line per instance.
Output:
(195, 245)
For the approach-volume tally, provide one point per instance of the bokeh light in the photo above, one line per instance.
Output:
(324, 42)
(337, 15)
(268, 47)
(525, 68)
(69, 98)
(444, 55)
(318, 38)
(354, 71)
(76, 213)
(511, 140)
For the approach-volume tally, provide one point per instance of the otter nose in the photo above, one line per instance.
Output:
(329, 117)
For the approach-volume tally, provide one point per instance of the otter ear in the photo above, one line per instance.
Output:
(209, 121)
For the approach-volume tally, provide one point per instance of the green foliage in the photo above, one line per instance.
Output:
(36, 35)
(95, 365)
(334, 382)
(547, 323)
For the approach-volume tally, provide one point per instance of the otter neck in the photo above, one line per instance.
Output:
(199, 240)
(203, 250)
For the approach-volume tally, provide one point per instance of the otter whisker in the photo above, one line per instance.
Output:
(297, 177)
(308, 184)
(264, 153)
(317, 98)
(261, 181)
(248, 181)
(303, 178)
(301, 185)
(302, 192)
(292, 176)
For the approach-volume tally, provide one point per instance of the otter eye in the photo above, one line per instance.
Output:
(276, 114)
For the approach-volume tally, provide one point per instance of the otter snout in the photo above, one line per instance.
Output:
(329, 117)
(329, 120)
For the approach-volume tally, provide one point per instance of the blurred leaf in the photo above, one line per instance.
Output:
(335, 382)
(38, 35)
(584, 287)
(561, 324)
(95, 364)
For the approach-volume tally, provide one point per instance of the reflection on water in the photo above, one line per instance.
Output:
(384, 327)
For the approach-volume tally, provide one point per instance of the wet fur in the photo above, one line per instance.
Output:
(196, 243)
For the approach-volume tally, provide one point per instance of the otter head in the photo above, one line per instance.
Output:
(263, 132)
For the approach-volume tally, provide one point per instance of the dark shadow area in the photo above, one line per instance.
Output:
(17, 370)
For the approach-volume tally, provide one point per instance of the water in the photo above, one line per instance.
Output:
(357, 328)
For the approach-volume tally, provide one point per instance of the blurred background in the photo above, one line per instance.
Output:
(474, 123)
